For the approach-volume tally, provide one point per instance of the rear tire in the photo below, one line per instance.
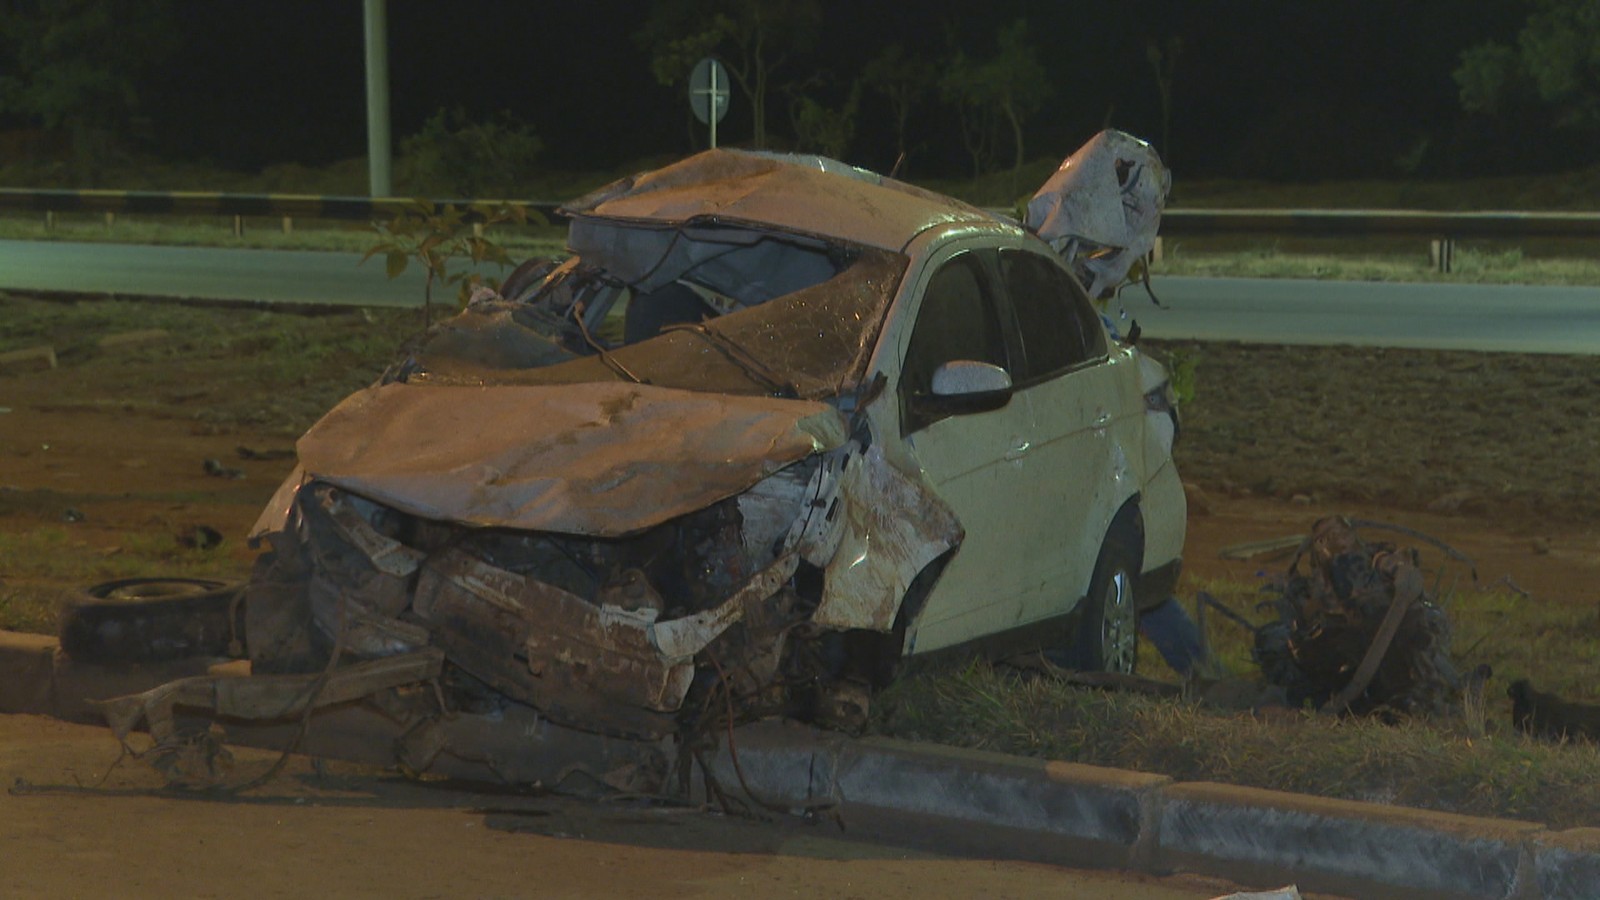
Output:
(1107, 635)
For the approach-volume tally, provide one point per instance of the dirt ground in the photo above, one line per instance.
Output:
(1496, 455)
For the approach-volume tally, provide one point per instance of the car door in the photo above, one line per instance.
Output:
(973, 458)
(1075, 393)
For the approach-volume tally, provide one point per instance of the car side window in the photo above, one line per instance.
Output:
(957, 320)
(1057, 321)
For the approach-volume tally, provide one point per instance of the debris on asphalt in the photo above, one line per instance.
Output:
(130, 338)
(29, 358)
(200, 537)
(1274, 548)
(216, 469)
(262, 455)
(1288, 892)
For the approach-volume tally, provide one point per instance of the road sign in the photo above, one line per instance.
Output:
(708, 93)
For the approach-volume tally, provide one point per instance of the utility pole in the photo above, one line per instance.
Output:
(378, 150)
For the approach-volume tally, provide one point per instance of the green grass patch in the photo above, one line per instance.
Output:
(45, 566)
(54, 554)
(1463, 767)
(1474, 764)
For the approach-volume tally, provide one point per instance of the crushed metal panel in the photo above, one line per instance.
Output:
(1106, 196)
(602, 459)
(892, 528)
(267, 696)
(276, 513)
(807, 195)
(590, 666)
(680, 639)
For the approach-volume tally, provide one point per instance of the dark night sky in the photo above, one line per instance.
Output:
(1279, 88)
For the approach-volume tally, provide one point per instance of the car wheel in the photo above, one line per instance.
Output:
(1107, 635)
(138, 620)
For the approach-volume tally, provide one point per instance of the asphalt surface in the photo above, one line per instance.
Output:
(1514, 318)
(920, 797)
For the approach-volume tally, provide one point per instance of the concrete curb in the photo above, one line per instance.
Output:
(974, 802)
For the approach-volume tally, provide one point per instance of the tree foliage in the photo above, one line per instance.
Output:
(756, 39)
(436, 238)
(1003, 89)
(75, 63)
(902, 79)
(1556, 60)
(471, 158)
(823, 129)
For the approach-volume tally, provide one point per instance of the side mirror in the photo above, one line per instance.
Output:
(961, 377)
(965, 386)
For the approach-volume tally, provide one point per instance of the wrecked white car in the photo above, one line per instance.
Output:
(775, 429)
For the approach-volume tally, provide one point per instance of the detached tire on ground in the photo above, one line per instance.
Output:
(138, 620)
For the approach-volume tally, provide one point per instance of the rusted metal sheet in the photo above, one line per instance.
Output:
(601, 459)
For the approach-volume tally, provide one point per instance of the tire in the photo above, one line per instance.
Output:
(140, 620)
(1106, 638)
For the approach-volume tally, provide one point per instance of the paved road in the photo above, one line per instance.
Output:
(1507, 318)
(275, 276)
(349, 831)
(1463, 317)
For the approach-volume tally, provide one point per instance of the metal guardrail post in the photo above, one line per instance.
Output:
(1442, 254)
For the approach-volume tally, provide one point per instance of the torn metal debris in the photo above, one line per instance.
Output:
(1358, 630)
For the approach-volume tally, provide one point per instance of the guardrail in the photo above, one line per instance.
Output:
(287, 206)
(1500, 224)
(1444, 227)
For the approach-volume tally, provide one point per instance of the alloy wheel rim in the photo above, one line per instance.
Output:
(1118, 632)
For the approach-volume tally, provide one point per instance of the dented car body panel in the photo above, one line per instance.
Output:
(716, 463)
(604, 459)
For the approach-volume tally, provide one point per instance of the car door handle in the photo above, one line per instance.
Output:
(1019, 449)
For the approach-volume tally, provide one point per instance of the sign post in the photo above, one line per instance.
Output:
(708, 93)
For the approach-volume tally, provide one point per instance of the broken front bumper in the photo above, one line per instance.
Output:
(604, 665)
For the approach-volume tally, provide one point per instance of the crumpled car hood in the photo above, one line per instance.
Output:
(602, 459)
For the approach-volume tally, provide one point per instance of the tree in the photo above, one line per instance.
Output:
(77, 63)
(1010, 85)
(1163, 59)
(1556, 60)
(757, 37)
(902, 80)
(471, 158)
(824, 129)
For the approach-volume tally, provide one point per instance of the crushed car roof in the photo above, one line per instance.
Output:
(806, 194)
